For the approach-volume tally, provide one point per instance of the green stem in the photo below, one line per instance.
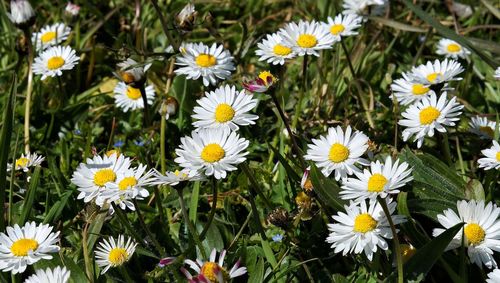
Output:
(27, 106)
(124, 272)
(190, 225)
(397, 248)
(298, 108)
(146, 229)
(123, 219)
(254, 185)
(12, 179)
(163, 162)
(446, 149)
(212, 210)
(166, 30)
(146, 106)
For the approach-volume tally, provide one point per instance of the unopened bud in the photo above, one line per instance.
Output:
(169, 107)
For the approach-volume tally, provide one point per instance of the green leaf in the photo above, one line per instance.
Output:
(474, 190)
(193, 203)
(56, 209)
(268, 252)
(257, 275)
(30, 196)
(292, 175)
(326, 189)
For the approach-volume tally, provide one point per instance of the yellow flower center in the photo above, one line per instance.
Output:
(474, 233)
(364, 223)
(338, 153)
(128, 78)
(48, 36)
(336, 29)
(407, 251)
(453, 48)
(205, 60)
(429, 115)
(281, 50)
(111, 152)
(127, 182)
(21, 247)
(133, 93)
(212, 153)
(224, 113)
(376, 183)
(104, 176)
(307, 40)
(487, 130)
(211, 271)
(419, 89)
(432, 77)
(22, 162)
(498, 156)
(55, 62)
(265, 75)
(118, 256)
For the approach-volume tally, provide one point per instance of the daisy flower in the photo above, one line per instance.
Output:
(92, 177)
(307, 38)
(26, 161)
(408, 92)
(362, 228)
(128, 97)
(56, 275)
(482, 127)
(114, 253)
(23, 246)
(211, 63)
(50, 35)
(54, 60)
(343, 25)
(451, 49)
(492, 157)
(359, 6)
(173, 178)
(481, 230)
(381, 180)
(429, 114)
(494, 276)
(274, 50)
(225, 108)
(212, 151)
(213, 270)
(262, 83)
(436, 73)
(133, 72)
(338, 151)
(21, 12)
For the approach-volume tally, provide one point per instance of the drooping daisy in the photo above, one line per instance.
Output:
(211, 63)
(54, 60)
(212, 151)
(307, 38)
(114, 253)
(381, 180)
(338, 151)
(407, 92)
(451, 49)
(343, 25)
(359, 7)
(50, 35)
(481, 230)
(274, 50)
(173, 178)
(127, 97)
(482, 127)
(213, 270)
(225, 108)
(56, 275)
(91, 177)
(21, 12)
(362, 228)
(262, 83)
(132, 71)
(23, 246)
(436, 73)
(130, 184)
(492, 157)
(429, 114)
(26, 161)
(494, 276)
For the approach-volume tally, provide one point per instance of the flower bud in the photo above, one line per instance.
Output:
(21, 13)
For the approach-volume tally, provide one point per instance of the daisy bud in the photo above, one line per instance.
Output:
(72, 9)
(169, 107)
(166, 261)
(186, 17)
(21, 13)
(306, 183)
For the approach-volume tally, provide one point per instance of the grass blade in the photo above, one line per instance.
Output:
(30, 195)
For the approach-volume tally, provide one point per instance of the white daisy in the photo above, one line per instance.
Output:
(407, 92)
(212, 151)
(437, 72)
(23, 246)
(261, 84)
(451, 49)
(429, 114)
(91, 177)
(54, 60)
(114, 253)
(225, 108)
(362, 228)
(173, 178)
(130, 184)
(26, 161)
(482, 127)
(492, 157)
(72, 9)
(497, 73)
(338, 151)
(481, 230)
(133, 72)
(50, 35)
(213, 270)
(274, 50)
(21, 12)
(211, 63)
(360, 6)
(343, 25)
(56, 275)
(494, 276)
(381, 180)
(307, 38)
(127, 97)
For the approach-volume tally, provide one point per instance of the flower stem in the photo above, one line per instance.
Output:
(27, 106)
(397, 248)
(166, 30)
(123, 219)
(212, 210)
(146, 106)
(146, 229)
(445, 145)
(190, 225)
(254, 185)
